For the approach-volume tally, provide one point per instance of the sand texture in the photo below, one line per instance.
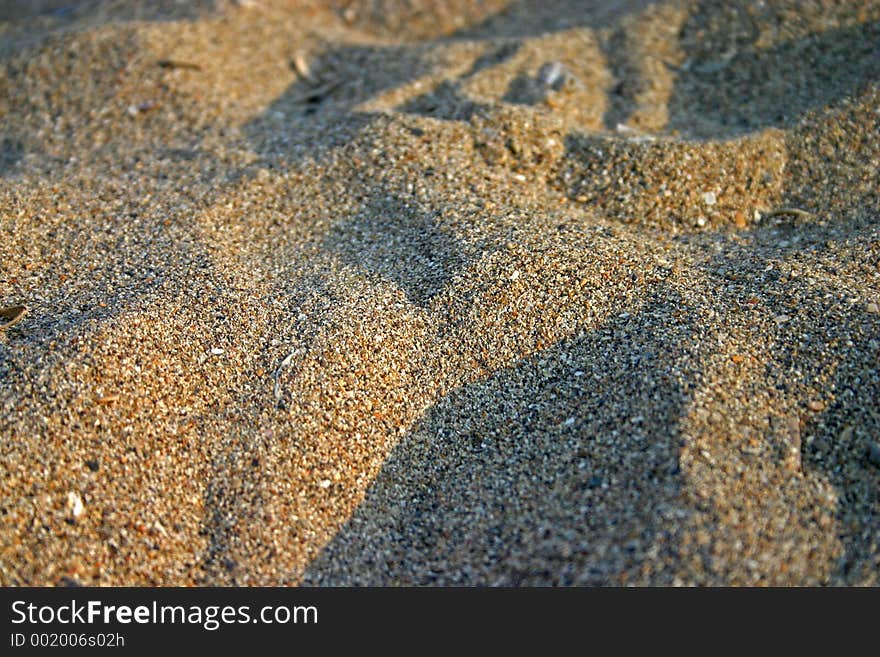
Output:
(423, 292)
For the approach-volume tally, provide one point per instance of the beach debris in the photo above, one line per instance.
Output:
(709, 198)
(172, 64)
(712, 66)
(284, 363)
(793, 442)
(108, 399)
(556, 76)
(317, 94)
(156, 528)
(10, 315)
(634, 134)
(872, 308)
(739, 219)
(779, 212)
(703, 67)
(349, 14)
(216, 351)
(553, 75)
(139, 108)
(318, 84)
(301, 65)
(872, 451)
(75, 506)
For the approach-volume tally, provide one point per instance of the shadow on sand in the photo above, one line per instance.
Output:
(571, 483)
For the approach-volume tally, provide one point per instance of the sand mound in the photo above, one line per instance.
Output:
(386, 292)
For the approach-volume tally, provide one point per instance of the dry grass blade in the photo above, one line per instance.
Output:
(11, 315)
(795, 212)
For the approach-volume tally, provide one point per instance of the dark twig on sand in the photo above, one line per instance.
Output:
(170, 63)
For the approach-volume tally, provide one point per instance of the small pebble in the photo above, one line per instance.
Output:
(816, 405)
(873, 308)
(75, 505)
(709, 198)
(216, 351)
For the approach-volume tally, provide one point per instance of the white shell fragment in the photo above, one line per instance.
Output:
(75, 506)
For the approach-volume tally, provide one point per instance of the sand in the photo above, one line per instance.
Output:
(411, 292)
